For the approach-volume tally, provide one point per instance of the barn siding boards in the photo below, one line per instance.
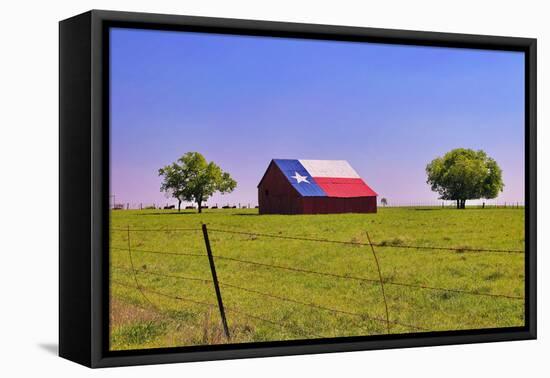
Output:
(328, 205)
(276, 195)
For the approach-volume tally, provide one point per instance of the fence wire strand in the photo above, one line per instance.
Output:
(236, 310)
(162, 252)
(381, 245)
(155, 229)
(335, 275)
(163, 294)
(134, 272)
(130, 271)
(319, 307)
(455, 249)
(275, 296)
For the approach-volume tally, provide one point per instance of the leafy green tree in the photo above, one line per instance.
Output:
(463, 174)
(384, 201)
(191, 178)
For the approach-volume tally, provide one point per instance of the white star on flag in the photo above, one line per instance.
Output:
(299, 178)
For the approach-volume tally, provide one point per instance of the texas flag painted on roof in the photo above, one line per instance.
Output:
(324, 178)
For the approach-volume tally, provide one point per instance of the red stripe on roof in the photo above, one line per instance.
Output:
(344, 187)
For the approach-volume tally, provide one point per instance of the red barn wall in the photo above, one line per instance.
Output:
(334, 205)
(276, 195)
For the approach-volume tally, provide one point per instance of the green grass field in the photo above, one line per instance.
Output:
(167, 312)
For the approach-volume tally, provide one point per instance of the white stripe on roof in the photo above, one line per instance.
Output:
(329, 168)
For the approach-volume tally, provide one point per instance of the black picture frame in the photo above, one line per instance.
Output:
(84, 187)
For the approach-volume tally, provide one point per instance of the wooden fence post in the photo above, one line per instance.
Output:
(381, 282)
(216, 283)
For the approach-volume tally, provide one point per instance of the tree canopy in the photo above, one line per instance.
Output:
(463, 174)
(191, 178)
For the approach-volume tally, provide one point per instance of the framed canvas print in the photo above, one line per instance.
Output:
(234, 188)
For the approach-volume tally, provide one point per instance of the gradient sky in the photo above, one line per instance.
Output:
(241, 101)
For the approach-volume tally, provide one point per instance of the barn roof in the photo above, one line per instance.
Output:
(323, 178)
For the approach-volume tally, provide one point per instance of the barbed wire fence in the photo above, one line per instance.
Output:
(218, 285)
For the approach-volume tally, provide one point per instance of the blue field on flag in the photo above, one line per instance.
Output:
(300, 178)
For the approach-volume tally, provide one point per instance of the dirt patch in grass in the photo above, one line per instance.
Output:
(123, 313)
(493, 276)
(396, 241)
(463, 248)
(131, 325)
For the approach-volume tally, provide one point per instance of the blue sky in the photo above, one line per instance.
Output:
(241, 101)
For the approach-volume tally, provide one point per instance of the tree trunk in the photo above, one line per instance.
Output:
(458, 204)
(179, 205)
(199, 203)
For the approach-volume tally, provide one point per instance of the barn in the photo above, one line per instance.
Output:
(291, 186)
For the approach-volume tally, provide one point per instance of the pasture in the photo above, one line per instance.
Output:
(164, 254)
